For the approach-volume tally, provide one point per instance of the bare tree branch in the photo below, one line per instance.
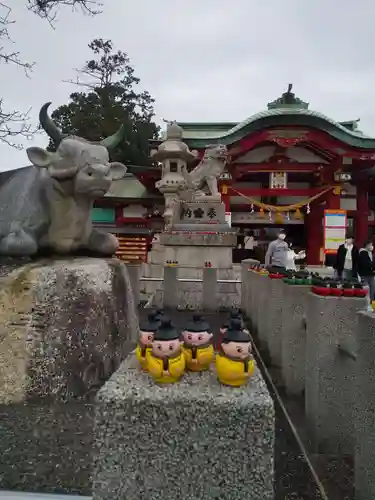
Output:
(14, 124)
(48, 9)
(8, 55)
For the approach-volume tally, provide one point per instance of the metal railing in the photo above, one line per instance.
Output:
(210, 282)
(188, 280)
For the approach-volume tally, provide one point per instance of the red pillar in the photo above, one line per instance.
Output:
(361, 217)
(314, 234)
(226, 200)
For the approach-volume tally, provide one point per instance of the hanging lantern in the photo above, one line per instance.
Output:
(269, 214)
(261, 212)
(308, 208)
(287, 216)
(297, 214)
(279, 219)
(252, 208)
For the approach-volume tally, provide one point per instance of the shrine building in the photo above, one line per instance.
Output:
(287, 166)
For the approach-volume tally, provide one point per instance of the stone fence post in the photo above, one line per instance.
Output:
(135, 273)
(246, 286)
(271, 311)
(365, 408)
(293, 337)
(170, 287)
(259, 296)
(209, 291)
(329, 385)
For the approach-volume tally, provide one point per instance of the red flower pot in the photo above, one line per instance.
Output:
(321, 290)
(348, 292)
(360, 292)
(275, 276)
(336, 292)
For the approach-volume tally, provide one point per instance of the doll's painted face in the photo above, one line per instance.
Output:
(197, 338)
(146, 338)
(240, 350)
(166, 348)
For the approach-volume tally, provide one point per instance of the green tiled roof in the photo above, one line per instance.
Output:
(287, 110)
(197, 138)
(127, 187)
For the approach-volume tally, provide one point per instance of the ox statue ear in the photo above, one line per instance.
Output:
(39, 157)
(117, 170)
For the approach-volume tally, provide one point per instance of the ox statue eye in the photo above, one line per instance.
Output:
(239, 350)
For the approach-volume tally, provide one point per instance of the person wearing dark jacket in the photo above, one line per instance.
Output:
(346, 264)
(366, 267)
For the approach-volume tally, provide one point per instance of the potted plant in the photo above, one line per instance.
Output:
(347, 289)
(322, 288)
(359, 291)
(336, 290)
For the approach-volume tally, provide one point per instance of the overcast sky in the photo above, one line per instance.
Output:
(206, 60)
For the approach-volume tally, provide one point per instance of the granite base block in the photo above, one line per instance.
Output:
(65, 327)
(195, 440)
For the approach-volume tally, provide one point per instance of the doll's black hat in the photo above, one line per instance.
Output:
(235, 314)
(166, 331)
(235, 333)
(152, 323)
(159, 313)
(197, 325)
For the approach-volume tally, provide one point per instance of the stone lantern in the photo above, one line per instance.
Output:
(174, 155)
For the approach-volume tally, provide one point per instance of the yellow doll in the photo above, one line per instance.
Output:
(146, 336)
(166, 361)
(234, 364)
(197, 347)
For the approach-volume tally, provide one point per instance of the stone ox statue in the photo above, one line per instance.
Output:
(48, 205)
(206, 174)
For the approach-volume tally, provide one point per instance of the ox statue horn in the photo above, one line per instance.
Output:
(113, 140)
(49, 126)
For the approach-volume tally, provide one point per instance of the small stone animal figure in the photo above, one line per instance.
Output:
(207, 173)
(234, 364)
(166, 361)
(198, 349)
(54, 212)
(146, 336)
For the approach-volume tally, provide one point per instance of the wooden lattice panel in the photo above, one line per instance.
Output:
(132, 248)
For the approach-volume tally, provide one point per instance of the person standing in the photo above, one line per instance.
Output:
(346, 265)
(276, 255)
(366, 268)
(249, 244)
(292, 256)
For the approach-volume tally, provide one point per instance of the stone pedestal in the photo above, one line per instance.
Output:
(195, 440)
(65, 327)
(199, 235)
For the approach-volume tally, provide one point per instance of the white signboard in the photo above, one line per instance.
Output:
(228, 218)
(335, 227)
(278, 180)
